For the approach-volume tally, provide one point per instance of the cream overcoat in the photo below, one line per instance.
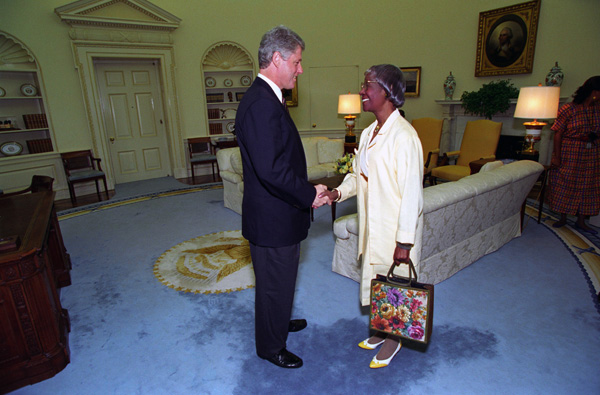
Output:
(391, 202)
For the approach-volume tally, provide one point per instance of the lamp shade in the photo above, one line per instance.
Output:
(349, 104)
(538, 102)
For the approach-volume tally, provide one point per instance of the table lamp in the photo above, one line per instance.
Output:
(349, 105)
(536, 102)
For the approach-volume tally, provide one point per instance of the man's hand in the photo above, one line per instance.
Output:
(319, 201)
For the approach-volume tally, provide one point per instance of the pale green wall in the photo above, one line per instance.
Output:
(438, 35)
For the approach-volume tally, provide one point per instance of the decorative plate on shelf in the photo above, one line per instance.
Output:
(245, 80)
(228, 83)
(2, 91)
(28, 90)
(210, 82)
(11, 148)
(230, 127)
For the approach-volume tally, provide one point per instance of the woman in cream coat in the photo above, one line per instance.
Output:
(387, 180)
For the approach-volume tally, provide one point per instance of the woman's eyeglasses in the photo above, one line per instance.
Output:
(365, 85)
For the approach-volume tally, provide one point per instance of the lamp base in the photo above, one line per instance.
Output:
(530, 150)
(533, 133)
(350, 137)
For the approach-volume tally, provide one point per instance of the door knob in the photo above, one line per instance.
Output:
(112, 139)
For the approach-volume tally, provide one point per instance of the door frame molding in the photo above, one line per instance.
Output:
(141, 139)
(86, 53)
(137, 29)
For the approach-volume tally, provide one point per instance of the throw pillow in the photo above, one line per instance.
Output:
(330, 150)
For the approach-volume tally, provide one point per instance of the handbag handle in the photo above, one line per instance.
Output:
(403, 280)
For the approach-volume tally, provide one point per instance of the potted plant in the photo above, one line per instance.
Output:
(492, 98)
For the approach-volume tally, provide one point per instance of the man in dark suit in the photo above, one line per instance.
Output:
(277, 194)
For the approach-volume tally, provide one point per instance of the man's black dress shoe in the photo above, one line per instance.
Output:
(297, 325)
(285, 359)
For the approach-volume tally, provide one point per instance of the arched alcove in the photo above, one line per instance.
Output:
(27, 144)
(228, 71)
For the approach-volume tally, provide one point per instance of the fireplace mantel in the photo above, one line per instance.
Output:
(455, 121)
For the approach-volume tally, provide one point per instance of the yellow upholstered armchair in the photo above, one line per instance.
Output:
(479, 142)
(430, 134)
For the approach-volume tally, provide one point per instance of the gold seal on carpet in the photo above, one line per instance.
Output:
(213, 263)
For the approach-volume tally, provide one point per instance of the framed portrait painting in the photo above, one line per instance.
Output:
(291, 95)
(506, 39)
(412, 77)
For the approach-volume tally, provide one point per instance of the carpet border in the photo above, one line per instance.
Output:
(112, 203)
(576, 252)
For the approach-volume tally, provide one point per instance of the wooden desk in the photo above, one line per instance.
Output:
(33, 325)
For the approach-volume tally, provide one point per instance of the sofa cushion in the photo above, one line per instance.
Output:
(316, 172)
(330, 150)
(310, 150)
(236, 162)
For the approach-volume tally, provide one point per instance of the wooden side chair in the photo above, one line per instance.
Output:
(480, 141)
(81, 166)
(202, 152)
(430, 134)
(38, 183)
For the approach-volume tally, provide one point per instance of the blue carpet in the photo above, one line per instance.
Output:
(519, 320)
(140, 188)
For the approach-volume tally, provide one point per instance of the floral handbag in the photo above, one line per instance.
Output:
(401, 306)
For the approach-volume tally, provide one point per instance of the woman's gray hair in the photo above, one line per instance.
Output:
(391, 79)
(279, 39)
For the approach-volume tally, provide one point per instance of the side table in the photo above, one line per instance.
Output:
(349, 148)
(544, 179)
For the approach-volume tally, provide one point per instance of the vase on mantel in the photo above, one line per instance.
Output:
(555, 76)
(449, 86)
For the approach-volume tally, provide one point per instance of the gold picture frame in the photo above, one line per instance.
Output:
(506, 39)
(412, 78)
(291, 95)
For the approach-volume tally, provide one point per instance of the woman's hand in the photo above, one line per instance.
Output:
(555, 161)
(329, 196)
(401, 255)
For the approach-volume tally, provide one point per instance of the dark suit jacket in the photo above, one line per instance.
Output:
(277, 194)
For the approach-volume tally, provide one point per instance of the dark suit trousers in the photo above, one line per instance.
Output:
(276, 269)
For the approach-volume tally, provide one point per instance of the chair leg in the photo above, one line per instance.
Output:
(432, 180)
(98, 190)
(72, 194)
(193, 177)
(105, 188)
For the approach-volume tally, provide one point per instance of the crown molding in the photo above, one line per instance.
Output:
(120, 14)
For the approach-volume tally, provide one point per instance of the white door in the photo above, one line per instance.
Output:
(132, 111)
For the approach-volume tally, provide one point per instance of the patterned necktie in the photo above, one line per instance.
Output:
(284, 102)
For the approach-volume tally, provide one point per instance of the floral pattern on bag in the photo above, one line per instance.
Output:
(400, 312)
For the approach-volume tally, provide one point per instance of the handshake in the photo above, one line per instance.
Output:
(324, 196)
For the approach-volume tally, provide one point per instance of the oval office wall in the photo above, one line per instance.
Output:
(438, 38)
